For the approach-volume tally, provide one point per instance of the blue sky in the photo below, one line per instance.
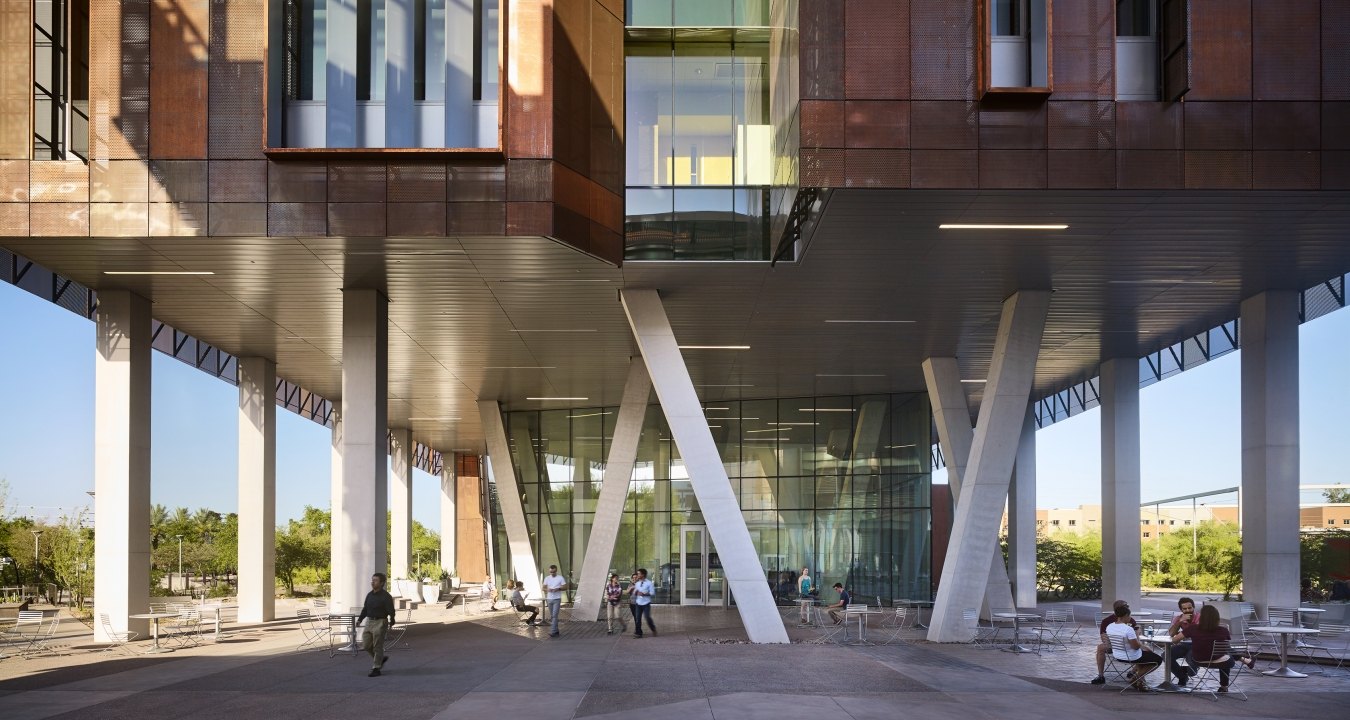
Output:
(1189, 426)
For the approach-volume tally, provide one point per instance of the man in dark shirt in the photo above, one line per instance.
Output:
(378, 612)
(837, 609)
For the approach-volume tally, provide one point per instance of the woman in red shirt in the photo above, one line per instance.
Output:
(1202, 635)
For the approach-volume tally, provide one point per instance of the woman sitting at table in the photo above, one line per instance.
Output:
(1202, 635)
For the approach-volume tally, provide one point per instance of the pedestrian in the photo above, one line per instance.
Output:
(555, 584)
(614, 593)
(804, 592)
(378, 614)
(642, 592)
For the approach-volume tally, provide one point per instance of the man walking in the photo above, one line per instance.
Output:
(642, 592)
(555, 584)
(378, 614)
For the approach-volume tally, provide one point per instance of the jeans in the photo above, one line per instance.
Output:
(553, 606)
(638, 612)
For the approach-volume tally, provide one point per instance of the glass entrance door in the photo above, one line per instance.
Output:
(702, 581)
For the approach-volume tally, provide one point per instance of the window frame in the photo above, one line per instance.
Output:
(984, 56)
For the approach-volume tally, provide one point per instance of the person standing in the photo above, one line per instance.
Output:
(554, 584)
(804, 587)
(613, 594)
(378, 614)
(642, 592)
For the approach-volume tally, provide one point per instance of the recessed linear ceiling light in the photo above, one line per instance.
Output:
(520, 367)
(974, 381)
(899, 447)
(431, 419)
(555, 330)
(401, 253)
(892, 322)
(725, 385)
(158, 272)
(557, 398)
(826, 410)
(847, 375)
(590, 415)
(781, 424)
(1164, 281)
(772, 430)
(707, 409)
(1003, 226)
(714, 347)
(552, 280)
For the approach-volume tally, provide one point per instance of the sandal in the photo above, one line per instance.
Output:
(1249, 662)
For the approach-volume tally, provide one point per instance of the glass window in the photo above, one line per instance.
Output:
(1134, 18)
(1148, 535)
(1009, 17)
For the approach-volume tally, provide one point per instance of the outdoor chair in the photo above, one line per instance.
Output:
(983, 634)
(26, 630)
(116, 639)
(1000, 625)
(1207, 676)
(827, 628)
(1057, 627)
(897, 624)
(394, 636)
(43, 640)
(1118, 645)
(1280, 615)
(1332, 640)
(315, 632)
(187, 627)
(342, 634)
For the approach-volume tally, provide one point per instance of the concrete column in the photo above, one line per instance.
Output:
(613, 492)
(335, 487)
(993, 451)
(951, 413)
(707, 476)
(460, 118)
(257, 489)
(122, 461)
(448, 528)
(508, 495)
(1119, 390)
(340, 85)
(400, 503)
(359, 507)
(400, 117)
(1022, 517)
(1270, 461)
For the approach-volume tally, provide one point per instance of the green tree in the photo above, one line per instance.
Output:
(303, 548)
(1337, 494)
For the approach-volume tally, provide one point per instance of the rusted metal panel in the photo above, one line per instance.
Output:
(1336, 169)
(876, 168)
(476, 218)
(64, 181)
(416, 219)
(289, 219)
(529, 79)
(570, 65)
(943, 53)
(821, 43)
(1286, 50)
(1148, 169)
(14, 182)
(1335, 115)
(1218, 169)
(1082, 169)
(822, 124)
(1286, 170)
(416, 182)
(528, 218)
(356, 219)
(1082, 125)
(822, 168)
(1291, 125)
(944, 125)
(876, 49)
(119, 219)
(606, 112)
(16, 81)
(944, 168)
(119, 79)
(529, 180)
(362, 182)
(876, 124)
(1083, 50)
(483, 183)
(1013, 168)
(177, 218)
(1148, 126)
(1019, 127)
(235, 79)
(243, 219)
(1218, 125)
(1335, 50)
(14, 219)
(60, 219)
(119, 181)
(297, 182)
(237, 180)
(179, 47)
(178, 181)
(1221, 50)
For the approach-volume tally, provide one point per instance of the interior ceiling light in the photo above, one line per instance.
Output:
(1003, 226)
(158, 272)
(725, 385)
(714, 347)
(431, 419)
(974, 381)
(598, 414)
(847, 375)
(555, 330)
(772, 430)
(557, 398)
(711, 408)
(893, 322)
(520, 367)
(399, 253)
(782, 424)
(1163, 281)
(825, 410)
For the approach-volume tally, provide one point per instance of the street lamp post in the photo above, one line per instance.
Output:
(37, 566)
(180, 563)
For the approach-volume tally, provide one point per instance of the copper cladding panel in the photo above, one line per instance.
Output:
(59, 219)
(606, 140)
(1148, 126)
(1221, 50)
(875, 168)
(1335, 115)
(179, 44)
(1218, 125)
(1288, 125)
(1336, 49)
(1083, 47)
(297, 182)
(529, 79)
(16, 85)
(570, 64)
(476, 183)
(1082, 125)
(821, 43)
(822, 123)
(1218, 169)
(235, 79)
(1286, 50)
(876, 49)
(416, 219)
(1148, 169)
(297, 219)
(1082, 169)
(822, 168)
(944, 124)
(416, 182)
(944, 168)
(529, 180)
(14, 220)
(943, 53)
(119, 74)
(356, 182)
(14, 182)
(1013, 168)
(1336, 169)
(1286, 170)
(876, 124)
(1021, 127)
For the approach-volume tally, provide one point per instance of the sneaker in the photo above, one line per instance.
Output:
(1182, 680)
(609, 632)
(375, 672)
(1099, 680)
(383, 660)
(637, 636)
(1223, 688)
(654, 632)
(553, 634)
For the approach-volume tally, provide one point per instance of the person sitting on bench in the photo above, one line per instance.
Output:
(518, 602)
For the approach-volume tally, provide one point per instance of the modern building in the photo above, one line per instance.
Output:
(493, 228)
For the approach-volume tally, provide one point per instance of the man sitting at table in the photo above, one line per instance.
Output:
(1104, 647)
(1126, 648)
(837, 609)
(1182, 619)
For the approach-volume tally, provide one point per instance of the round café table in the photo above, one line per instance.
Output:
(1284, 631)
(1165, 641)
(155, 617)
(1017, 618)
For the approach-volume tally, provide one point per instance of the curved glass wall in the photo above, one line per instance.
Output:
(837, 484)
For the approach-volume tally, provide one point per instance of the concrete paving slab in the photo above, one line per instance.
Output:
(606, 704)
(39, 704)
(772, 706)
(926, 705)
(534, 705)
(681, 710)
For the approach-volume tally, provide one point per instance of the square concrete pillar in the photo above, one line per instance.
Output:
(448, 528)
(1270, 462)
(400, 503)
(121, 461)
(1022, 517)
(1119, 390)
(257, 489)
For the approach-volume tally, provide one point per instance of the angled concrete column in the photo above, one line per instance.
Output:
(952, 416)
(400, 115)
(359, 509)
(1119, 389)
(993, 451)
(340, 83)
(257, 489)
(613, 491)
(1270, 462)
(1022, 517)
(508, 495)
(707, 476)
(122, 460)
(448, 528)
(400, 503)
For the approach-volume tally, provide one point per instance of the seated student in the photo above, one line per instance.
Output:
(837, 609)
(1104, 647)
(518, 602)
(1202, 635)
(1184, 617)
(1144, 661)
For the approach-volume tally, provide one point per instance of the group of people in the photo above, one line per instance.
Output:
(640, 592)
(1193, 636)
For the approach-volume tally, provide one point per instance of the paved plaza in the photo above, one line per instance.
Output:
(478, 664)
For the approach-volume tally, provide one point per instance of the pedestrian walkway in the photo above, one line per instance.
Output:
(699, 667)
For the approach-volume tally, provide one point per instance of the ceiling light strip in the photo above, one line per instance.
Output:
(1003, 226)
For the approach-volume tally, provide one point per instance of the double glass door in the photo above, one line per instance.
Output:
(702, 581)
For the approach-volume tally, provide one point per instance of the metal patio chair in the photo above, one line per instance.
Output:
(315, 631)
(117, 639)
(1332, 640)
(983, 634)
(1207, 679)
(827, 628)
(342, 635)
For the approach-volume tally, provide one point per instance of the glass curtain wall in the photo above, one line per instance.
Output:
(837, 484)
